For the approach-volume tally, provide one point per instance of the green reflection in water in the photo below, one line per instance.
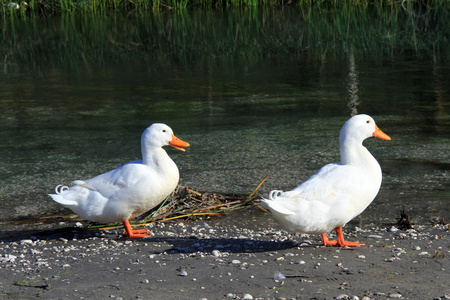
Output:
(79, 43)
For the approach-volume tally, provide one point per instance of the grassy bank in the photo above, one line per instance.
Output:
(50, 7)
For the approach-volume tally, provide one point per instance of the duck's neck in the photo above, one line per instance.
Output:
(354, 153)
(158, 158)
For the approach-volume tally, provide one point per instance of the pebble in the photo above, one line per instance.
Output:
(393, 229)
(26, 241)
(79, 225)
(395, 295)
(278, 276)
(375, 236)
(235, 262)
(247, 297)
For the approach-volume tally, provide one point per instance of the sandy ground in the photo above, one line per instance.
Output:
(223, 259)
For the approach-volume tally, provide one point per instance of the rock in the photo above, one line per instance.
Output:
(278, 276)
(26, 241)
(374, 236)
(247, 297)
(393, 229)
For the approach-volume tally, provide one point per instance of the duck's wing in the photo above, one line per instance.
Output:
(330, 184)
(108, 184)
(326, 188)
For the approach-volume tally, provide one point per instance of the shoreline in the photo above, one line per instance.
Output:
(224, 259)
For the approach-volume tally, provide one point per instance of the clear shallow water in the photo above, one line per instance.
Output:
(246, 115)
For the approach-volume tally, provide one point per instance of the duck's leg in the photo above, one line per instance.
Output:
(341, 242)
(134, 233)
(326, 241)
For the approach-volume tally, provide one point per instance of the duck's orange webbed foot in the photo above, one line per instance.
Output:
(134, 233)
(340, 241)
(326, 241)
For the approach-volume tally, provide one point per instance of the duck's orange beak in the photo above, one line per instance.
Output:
(178, 144)
(380, 134)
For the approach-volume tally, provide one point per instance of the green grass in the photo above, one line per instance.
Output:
(51, 7)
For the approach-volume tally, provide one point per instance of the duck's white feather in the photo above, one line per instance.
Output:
(129, 190)
(336, 193)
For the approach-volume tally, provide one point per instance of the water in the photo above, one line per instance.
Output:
(256, 93)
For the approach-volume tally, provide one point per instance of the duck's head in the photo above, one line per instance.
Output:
(361, 127)
(159, 135)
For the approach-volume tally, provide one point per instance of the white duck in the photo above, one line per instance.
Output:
(336, 193)
(131, 189)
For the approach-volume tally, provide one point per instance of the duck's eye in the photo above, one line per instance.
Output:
(368, 121)
(164, 130)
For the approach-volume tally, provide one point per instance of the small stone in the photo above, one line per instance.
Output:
(26, 241)
(235, 262)
(361, 257)
(393, 229)
(216, 253)
(144, 281)
(375, 236)
(230, 295)
(247, 297)
(278, 276)
(300, 262)
(341, 297)
(395, 295)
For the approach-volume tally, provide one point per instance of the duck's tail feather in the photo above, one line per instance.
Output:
(273, 195)
(274, 203)
(59, 196)
(60, 188)
(61, 200)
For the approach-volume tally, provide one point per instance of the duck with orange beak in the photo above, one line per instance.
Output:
(338, 192)
(130, 190)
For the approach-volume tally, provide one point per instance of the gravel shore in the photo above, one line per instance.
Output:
(223, 259)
